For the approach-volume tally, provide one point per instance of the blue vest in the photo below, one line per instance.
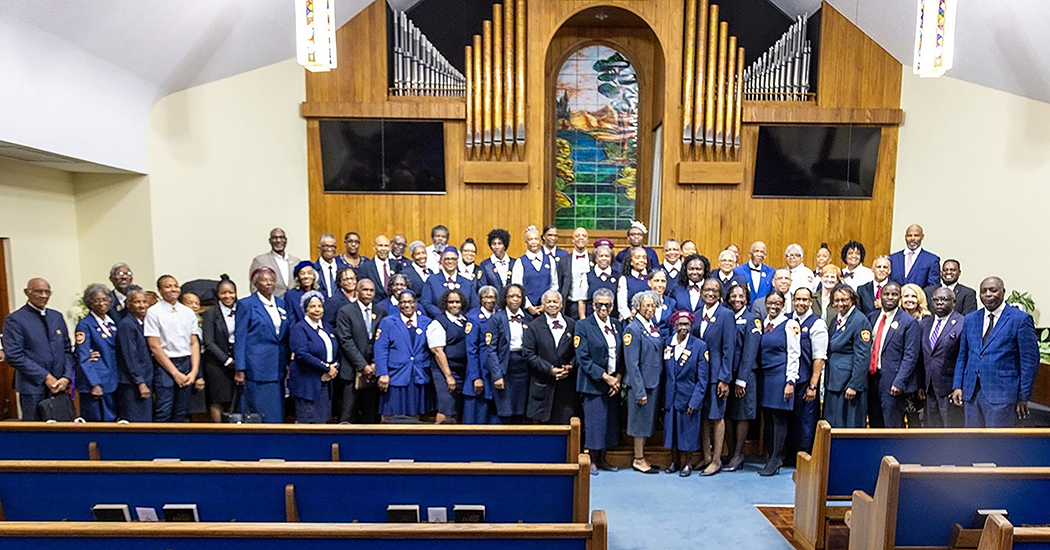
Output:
(536, 282)
(455, 343)
(595, 282)
(635, 285)
(805, 366)
(772, 362)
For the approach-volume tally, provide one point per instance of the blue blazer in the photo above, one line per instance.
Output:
(489, 275)
(117, 313)
(397, 355)
(748, 338)
(322, 283)
(134, 362)
(368, 270)
(499, 348)
(685, 380)
(437, 284)
(304, 373)
(621, 257)
(1006, 363)
(720, 338)
(925, 272)
(901, 351)
(259, 350)
(849, 353)
(592, 355)
(681, 299)
(642, 356)
(478, 335)
(663, 316)
(734, 280)
(415, 282)
(37, 347)
(103, 371)
(938, 362)
(332, 306)
(765, 284)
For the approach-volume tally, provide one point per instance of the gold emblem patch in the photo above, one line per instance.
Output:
(794, 328)
(80, 338)
(707, 355)
(378, 332)
(627, 339)
(488, 338)
(467, 328)
(865, 335)
(576, 342)
(758, 324)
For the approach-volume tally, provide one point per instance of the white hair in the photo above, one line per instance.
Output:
(794, 246)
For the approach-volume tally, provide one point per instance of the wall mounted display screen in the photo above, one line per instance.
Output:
(383, 156)
(816, 161)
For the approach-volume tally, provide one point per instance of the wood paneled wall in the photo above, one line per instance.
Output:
(854, 73)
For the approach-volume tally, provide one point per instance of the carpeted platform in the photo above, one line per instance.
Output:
(666, 512)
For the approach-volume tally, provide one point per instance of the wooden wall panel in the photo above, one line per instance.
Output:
(854, 73)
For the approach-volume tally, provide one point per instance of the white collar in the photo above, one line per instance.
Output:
(942, 319)
(550, 251)
(498, 261)
(281, 256)
(266, 302)
(676, 266)
(603, 324)
(739, 314)
(550, 320)
(599, 272)
(420, 270)
(847, 269)
(803, 318)
(579, 252)
(120, 295)
(101, 321)
(724, 276)
(315, 324)
(445, 275)
(848, 313)
(776, 320)
(452, 318)
(892, 314)
(407, 319)
(326, 264)
(538, 255)
(879, 284)
(226, 311)
(951, 286)
(682, 343)
(638, 274)
(917, 251)
(710, 311)
(42, 312)
(754, 267)
(998, 311)
(362, 304)
(485, 314)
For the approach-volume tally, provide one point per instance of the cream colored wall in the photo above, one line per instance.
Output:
(973, 167)
(38, 214)
(227, 162)
(113, 225)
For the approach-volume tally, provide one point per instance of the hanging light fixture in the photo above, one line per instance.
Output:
(934, 37)
(315, 34)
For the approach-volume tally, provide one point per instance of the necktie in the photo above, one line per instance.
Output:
(517, 319)
(653, 330)
(368, 321)
(707, 319)
(604, 277)
(878, 292)
(694, 288)
(111, 327)
(608, 330)
(232, 312)
(847, 274)
(935, 333)
(331, 280)
(991, 325)
(411, 330)
(909, 263)
(839, 322)
(876, 347)
(769, 327)
(581, 256)
(451, 281)
(386, 275)
(753, 268)
(556, 324)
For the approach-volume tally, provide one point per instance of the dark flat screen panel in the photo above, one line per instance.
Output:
(816, 161)
(383, 156)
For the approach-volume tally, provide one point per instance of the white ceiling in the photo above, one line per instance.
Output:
(999, 44)
(113, 59)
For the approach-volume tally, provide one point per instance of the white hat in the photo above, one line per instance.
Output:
(639, 225)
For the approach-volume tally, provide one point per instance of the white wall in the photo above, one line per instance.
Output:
(38, 214)
(113, 225)
(973, 167)
(227, 163)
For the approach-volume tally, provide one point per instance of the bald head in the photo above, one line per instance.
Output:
(381, 245)
(913, 236)
(38, 291)
(757, 251)
(278, 240)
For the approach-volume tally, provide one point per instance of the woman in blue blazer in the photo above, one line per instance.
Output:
(314, 345)
(779, 356)
(306, 276)
(260, 347)
(685, 382)
(658, 283)
(642, 346)
(134, 363)
(403, 361)
(695, 269)
(849, 354)
(478, 406)
(743, 398)
(96, 340)
(505, 362)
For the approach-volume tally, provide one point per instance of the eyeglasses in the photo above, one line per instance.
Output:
(602, 305)
(327, 247)
(40, 292)
(123, 273)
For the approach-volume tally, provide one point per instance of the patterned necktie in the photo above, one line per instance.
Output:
(769, 327)
(519, 318)
(556, 324)
(935, 333)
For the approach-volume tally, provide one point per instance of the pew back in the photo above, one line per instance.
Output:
(356, 443)
(305, 536)
(324, 492)
(917, 506)
(1000, 534)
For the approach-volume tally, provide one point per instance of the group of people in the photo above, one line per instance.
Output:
(608, 335)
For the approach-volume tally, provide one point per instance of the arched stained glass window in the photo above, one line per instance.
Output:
(596, 152)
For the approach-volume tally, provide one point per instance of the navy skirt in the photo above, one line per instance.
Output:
(478, 410)
(641, 418)
(743, 408)
(448, 403)
(771, 391)
(845, 413)
(714, 407)
(682, 430)
(510, 401)
(316, 411)
(410, 400)
(601, 421)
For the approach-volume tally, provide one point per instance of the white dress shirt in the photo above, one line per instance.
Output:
(557, 332)
(423, 272)
(672, 269)
(552, 254)
(229, 316)
(517, 330)
(861, 276)
(818, 336)
(502, 266)
(271, 308)
(680, 346)
(433, 258)
(581, 264)
(801, 277)
(910, 257)
(436, 335)
(382, 264)
(174, 324)
(121, 298)
(328, 273)
(756, 274)
(366, 313)
(875, 334)
(610, 342)
(283, 269)
(102, 323)
(794, 343)
(328, 346)
(708, 313)
(998, 313)
(623, 304)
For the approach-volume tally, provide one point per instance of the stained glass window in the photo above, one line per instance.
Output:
(596, 154)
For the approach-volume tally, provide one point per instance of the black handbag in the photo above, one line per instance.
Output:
(233, 417)
(57, 408)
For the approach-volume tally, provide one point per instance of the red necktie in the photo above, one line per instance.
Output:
(410, 324)
(581, 256)
(878, 292)
(876, 348)
(694, 288)
(386, 275)
(707, 319)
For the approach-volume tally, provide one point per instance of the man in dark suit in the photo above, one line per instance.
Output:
(913, 264)
(759, 276)
(941, 334)
(547, 348)
(380, 268)
(781, 284)
(965, 297)
(557, 256)
(572, 275)
(355, 326)
(326, 266)
(895, 352)
(36, 343)
(871, 292)
(121, 277)
(998, 358)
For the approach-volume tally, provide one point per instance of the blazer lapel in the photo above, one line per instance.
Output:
(995, 330)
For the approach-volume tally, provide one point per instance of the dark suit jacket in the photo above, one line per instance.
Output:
(938, 363)
(37, 347)
(849, 353)
(134, 362)
(260, 351)
(926, 270)
(965, 298)
(415, 282)
(355, 340)
(332, 307)
(592, 355)
(734, 280)
(542, 353)
(304, 373)
(643, 355)
(565, 275)
(1006, 362)
(368, 270)
(720, 338)
(489, 275)
(116, 311)
(901, 350)
(498, 356)
(217, 346)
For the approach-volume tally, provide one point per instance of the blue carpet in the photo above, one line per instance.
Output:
(667, 512)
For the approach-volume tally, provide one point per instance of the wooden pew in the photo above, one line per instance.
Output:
(305, 536)
(317, 492)
(917, 506)
(845, 460)
(1000, 534)
(293, 442)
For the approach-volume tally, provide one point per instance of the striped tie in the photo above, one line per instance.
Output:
(935, 333)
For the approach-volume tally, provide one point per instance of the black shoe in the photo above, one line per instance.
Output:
(652, 469)
(686, 471)
(772, 468)
(734, 464)
(606, 467)
(671, 468)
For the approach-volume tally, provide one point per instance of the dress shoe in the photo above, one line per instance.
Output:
(671, 468)
(594, 469)
(652, 469)
(734, 464)
(708, 472)
(606, 467)
(772, 468)
(686, 471)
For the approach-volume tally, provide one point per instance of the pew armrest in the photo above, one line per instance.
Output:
(809, 503)
(861, 522)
